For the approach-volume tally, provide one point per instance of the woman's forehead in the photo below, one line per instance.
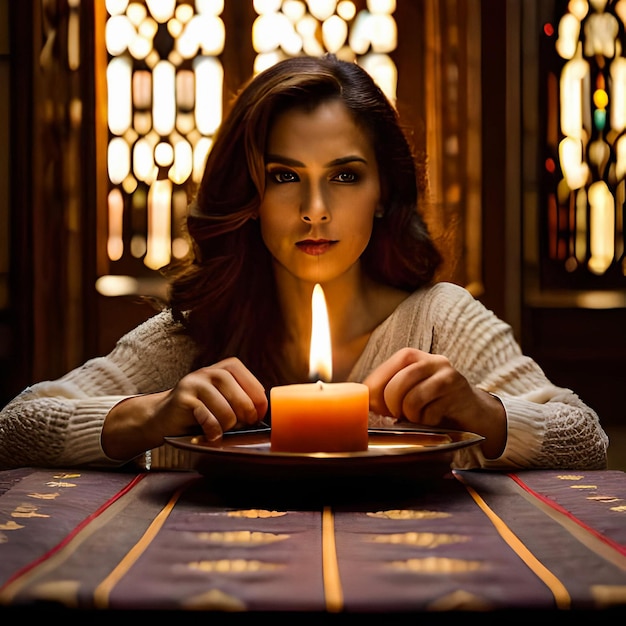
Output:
(329, 120)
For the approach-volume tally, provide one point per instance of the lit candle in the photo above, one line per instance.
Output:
(319, 416)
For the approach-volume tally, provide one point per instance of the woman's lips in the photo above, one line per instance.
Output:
(315, 247)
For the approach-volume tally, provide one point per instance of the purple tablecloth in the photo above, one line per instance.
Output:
(465, 541)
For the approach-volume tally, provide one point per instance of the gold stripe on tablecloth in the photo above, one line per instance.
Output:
(330, 566)
(561, 595)
(103, 590)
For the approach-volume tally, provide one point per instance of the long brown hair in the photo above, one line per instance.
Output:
(224, 292)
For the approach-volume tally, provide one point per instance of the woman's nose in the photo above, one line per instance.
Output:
(314, 206)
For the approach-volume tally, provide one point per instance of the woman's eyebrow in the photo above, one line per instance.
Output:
(351, 158)
(277, 158)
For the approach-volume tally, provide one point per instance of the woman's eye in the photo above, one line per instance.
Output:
(283, 176)
(346, 177)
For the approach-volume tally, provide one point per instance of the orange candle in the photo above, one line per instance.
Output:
(320, 416)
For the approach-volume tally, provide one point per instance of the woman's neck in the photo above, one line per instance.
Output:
(355, 309)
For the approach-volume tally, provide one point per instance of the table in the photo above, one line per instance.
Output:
(169, 541)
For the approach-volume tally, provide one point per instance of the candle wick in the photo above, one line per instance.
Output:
(320, 378)
(320, 384)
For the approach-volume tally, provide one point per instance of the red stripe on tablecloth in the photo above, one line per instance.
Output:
(74, 532)
(557, 507)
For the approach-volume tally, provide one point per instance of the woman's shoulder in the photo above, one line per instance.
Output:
(439, 305)
(157, 328)
(438, 293)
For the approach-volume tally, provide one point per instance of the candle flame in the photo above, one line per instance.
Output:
(320, 354)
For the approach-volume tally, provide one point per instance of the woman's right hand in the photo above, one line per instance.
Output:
(217, 398)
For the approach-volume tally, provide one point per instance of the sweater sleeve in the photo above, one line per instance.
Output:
(59, 422)
(547, 426)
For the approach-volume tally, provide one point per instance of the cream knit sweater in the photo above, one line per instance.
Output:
(58, 423)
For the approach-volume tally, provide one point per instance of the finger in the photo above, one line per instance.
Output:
(227, 403)
(222, 393)
(428, 401)
(403, 393)
(420, 408)
(210, 425)
(379, 379)
(252, 388)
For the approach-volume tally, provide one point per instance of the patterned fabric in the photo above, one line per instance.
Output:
(469, 540)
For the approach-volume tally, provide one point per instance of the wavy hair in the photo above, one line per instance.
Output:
(224, 291)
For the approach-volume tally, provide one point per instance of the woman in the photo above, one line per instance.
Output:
(310, 180)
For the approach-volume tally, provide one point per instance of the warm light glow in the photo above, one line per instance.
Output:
(265, 6)
(142, 89)
(163, 100)
(601, 227)
(163, 154)
(73, 37)
(574, 169)
(601, 30)
(115, 245)
(148, 29)
(267, 31)
(381, 6)
(322, 9)
(140, 47)
(158, 253)
(209, 81)
(184, 12)
(383, 70)
(185, 90)
(567, 42)
(161, 10)
(212, 34)
(320, 355)
(359, 39)
(200, 153)
(136, 13)
(620, 162)
(574, 97)
(293, 9)
(142, 122)
(116, 285)
(209, 7)
(294, 27)
(384, 33)
(119, 95)
(620, 221)
(580, 240)
(618, 80)
(183, 162)
(578, 8)
(346, 10)
(143, 160)
(118, 34)
(585, 227)
(118, 160)
(334, 33)
(114, 7)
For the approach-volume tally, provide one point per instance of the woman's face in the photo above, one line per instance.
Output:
(322, 190)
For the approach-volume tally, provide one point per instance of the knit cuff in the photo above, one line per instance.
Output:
(84, 435)
(526, 427)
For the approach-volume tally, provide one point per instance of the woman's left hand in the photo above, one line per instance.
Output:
(426, 389)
